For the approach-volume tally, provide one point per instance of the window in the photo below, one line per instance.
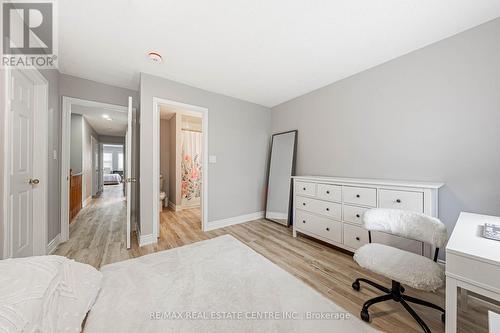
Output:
(120, 161)
(107, 162)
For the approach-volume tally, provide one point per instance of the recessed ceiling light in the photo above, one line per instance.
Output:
(155, 56)
(105, 116)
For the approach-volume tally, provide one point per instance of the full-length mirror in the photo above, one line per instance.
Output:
(281, 168)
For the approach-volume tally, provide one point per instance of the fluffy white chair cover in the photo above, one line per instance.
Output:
(408, 268)
(407, 224)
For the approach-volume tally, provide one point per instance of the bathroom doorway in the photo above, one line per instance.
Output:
(181, 168)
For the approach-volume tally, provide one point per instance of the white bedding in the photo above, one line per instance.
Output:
(45, 294)
(209, 280)
(112, 178)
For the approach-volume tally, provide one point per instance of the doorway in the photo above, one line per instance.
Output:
(180, 161)
(25, 164)
(94, 145)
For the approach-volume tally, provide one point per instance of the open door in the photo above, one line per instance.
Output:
(128, 172)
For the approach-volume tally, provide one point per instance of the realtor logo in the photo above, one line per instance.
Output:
(28, 34)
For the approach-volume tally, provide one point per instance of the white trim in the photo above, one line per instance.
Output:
(86, 201)
(174, 207)
(40, 155)
(65, 152)
(234, 220)
(52, 246)
(147, 240)
(276, 215)
(189, 109)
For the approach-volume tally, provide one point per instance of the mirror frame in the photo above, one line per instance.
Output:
(294, 160)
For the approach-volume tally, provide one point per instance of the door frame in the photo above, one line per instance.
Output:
(94, 178)
(65, 152)
(40, 156)
(187, 108)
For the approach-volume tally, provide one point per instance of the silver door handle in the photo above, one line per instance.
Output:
(34, 181)
(130, 180)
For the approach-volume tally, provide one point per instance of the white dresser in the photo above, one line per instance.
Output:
(331, 208)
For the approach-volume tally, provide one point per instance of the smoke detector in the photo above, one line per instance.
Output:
(155, 56)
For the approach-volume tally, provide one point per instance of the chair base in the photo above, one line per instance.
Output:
(396, 293)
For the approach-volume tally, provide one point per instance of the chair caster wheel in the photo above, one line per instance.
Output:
(365, 316)
(443, 317)
(355, 285)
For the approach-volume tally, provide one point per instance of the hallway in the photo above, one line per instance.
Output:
(97, 234)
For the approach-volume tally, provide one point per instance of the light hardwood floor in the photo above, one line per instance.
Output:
(97, 238)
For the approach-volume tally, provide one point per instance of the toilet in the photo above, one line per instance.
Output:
(163, 196)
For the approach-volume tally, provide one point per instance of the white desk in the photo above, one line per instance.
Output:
(472, 263)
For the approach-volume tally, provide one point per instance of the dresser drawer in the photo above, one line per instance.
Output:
(302, 188)
(329, 192)
(354, 236)
(318, 225)
(402, 243)
(360, 195)
(354, 214)
(405, 200)
(330, 209)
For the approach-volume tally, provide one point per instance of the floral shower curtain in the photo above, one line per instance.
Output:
(191, 168)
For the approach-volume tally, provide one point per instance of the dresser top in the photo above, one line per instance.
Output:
(370, 181)
(466, 239)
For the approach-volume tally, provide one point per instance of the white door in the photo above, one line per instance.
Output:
(24, 186)
(128, 170)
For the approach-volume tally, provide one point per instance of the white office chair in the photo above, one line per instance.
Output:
(402, 267)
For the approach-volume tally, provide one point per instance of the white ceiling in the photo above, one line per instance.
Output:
(117, 126)
(262, 51)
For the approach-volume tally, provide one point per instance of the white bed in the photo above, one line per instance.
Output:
(112, 179)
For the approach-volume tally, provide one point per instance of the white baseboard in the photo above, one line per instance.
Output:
(174, 207)
(86, 201)
(234, 220)
(52, 246)
(147, 239)
(277, 215)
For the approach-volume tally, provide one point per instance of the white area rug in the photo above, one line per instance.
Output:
(218, 285)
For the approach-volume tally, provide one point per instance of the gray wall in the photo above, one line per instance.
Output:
(72, 86)
(174, 175)
(87, 133)
(165, 153)
(239, 136)
(54, 179)
(76, 146)
(81, 151)
(433, 114)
